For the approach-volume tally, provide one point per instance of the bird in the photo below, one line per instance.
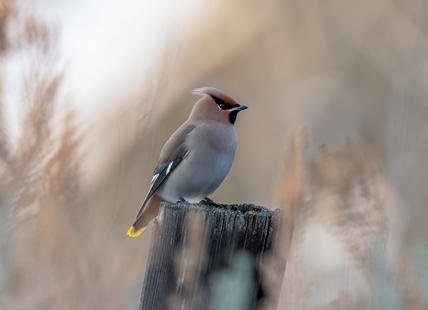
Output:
(197, 157)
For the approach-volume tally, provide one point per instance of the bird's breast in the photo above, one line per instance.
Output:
(216, 137)
(210, 158)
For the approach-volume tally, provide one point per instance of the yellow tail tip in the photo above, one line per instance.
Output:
(133, 233)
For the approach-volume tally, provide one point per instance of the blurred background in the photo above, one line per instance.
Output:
(91, 90)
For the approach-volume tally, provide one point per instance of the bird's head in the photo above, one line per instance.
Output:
(216, 105)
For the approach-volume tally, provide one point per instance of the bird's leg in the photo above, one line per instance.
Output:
(208, 201)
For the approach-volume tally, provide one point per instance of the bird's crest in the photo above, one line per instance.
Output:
(214, 92)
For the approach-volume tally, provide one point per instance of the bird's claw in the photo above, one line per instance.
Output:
(208, 201)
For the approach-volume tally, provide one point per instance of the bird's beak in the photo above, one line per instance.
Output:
(240, 108)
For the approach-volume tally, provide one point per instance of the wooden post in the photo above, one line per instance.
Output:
(208, 257)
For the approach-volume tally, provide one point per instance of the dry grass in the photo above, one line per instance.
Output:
(346, 193)
(40, 175)
(291, 195)
(358, 198)
(49, 256)
(293, 198)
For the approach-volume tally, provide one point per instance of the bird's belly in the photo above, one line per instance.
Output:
(195, 179)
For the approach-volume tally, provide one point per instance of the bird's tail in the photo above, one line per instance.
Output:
(150, 211)
(134, 232)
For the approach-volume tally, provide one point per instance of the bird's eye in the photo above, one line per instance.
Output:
(220, 102)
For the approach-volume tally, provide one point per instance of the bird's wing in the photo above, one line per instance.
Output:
(174, 151)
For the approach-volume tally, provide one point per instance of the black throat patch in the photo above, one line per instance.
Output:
(232, 116)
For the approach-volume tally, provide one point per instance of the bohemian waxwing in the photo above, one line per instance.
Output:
(197, 157)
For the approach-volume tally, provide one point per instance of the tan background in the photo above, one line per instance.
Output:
(341, 68)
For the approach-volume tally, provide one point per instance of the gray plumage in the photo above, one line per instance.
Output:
(197, 157)
(208, 162)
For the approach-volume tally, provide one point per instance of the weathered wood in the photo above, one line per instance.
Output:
(195, 255)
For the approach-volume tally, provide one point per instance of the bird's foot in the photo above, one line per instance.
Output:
(208, 201)
(183, 200)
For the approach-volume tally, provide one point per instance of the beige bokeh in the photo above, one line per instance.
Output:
(342, 69)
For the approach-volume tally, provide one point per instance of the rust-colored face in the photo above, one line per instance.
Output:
(229, 106)
(218, 105)
(225, 113)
